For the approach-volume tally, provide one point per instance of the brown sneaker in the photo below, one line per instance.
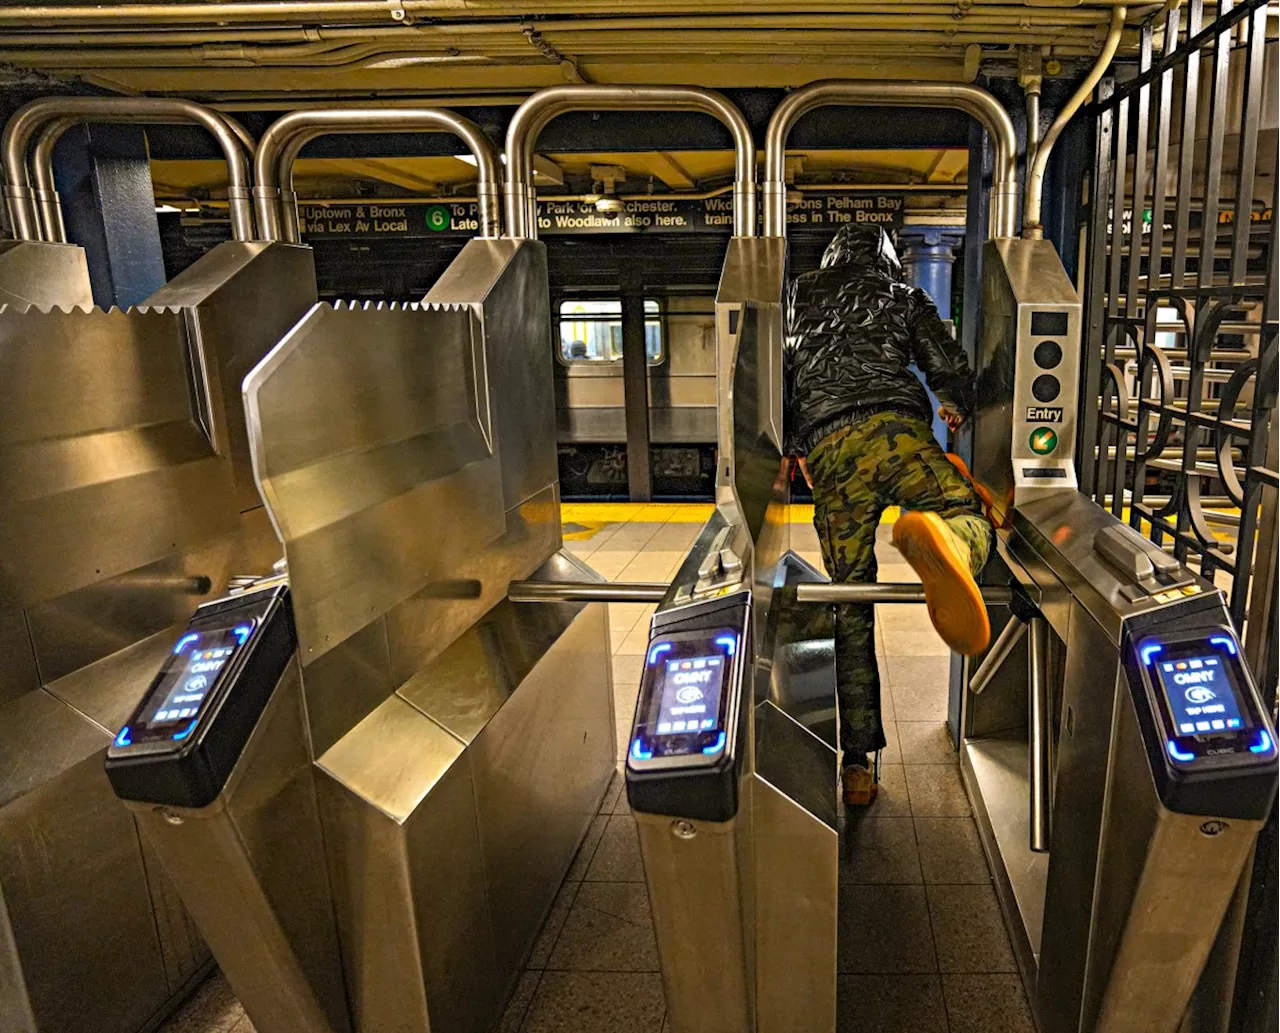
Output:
(942, 561)
(859, 785)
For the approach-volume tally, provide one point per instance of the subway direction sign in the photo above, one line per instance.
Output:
(821, 211)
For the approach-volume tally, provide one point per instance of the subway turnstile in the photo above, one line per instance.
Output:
(214, 764)
(731, 775)
(127, 499)
(406, 502)
(1121, 764)
(737, 816)
(1117, 754)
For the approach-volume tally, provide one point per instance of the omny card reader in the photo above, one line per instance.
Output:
(186, 735)
(1209, 738)
(689, 731)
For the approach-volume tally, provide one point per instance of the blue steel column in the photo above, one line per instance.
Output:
(928, 254)
(108, 204)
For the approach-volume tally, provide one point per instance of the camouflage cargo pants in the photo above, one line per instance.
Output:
(884, 460)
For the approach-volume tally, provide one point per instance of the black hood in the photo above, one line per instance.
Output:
(864, 248)
(854, 330)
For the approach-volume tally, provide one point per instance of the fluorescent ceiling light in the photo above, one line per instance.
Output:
(545, 171)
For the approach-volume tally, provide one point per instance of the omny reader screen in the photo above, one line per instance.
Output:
(1202, 695)
(187, 679)
(690, 701)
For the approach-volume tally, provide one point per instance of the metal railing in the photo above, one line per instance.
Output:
(539, 110)
(274, 197)
(1181, 264)
(54, 115)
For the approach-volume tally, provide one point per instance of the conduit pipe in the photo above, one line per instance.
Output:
(534, 114)
(1032, 227)
(1066, 41)
(377, 11)
(45, 187)
(287, 135)
(33, 117)
(972, 100)
(326, 35)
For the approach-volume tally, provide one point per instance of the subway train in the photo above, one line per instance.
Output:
(413, 617)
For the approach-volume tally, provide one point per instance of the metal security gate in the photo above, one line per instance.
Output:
(1178, 432)
(1181, 288)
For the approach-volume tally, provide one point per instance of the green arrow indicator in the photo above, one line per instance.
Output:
(438, 218)
(1044, 440)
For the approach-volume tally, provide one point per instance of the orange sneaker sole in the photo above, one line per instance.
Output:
(954, 600)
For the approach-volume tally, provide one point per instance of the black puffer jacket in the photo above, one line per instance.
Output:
(853, 329)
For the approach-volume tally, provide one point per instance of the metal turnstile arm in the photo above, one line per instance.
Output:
(586, 592)
(1009, 637)
(886, 592)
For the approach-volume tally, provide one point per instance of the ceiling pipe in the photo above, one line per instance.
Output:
(33, 117)
(939, 30)
(287, 135)
(534, 114)
(1032, 227)
(972, 100)
(320, 34)
(377, 11)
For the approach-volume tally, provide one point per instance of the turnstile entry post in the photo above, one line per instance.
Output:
(1119, 786)
(688, 761)
(737, 813)
(214, 764)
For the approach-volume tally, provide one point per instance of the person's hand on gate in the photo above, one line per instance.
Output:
(951, 417)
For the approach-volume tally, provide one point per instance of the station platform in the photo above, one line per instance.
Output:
(922, 945)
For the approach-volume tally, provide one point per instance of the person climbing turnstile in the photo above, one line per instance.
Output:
(859, 422)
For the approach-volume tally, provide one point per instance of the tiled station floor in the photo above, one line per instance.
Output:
(922, 946)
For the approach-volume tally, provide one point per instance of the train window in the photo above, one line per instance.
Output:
(591, 330)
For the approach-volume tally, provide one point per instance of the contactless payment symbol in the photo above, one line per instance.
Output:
(689, 694)
(438, 218)
(1044, 440)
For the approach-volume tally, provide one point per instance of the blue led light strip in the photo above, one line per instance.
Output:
(1225, 641)
(715, 747)
(187, 731)
(242, 632)
(185, 641)
(729, 642)
(639, 752)
(1264, 744)
(658, 650)
(1178, 754)
(1150, 650)
(123, 738)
